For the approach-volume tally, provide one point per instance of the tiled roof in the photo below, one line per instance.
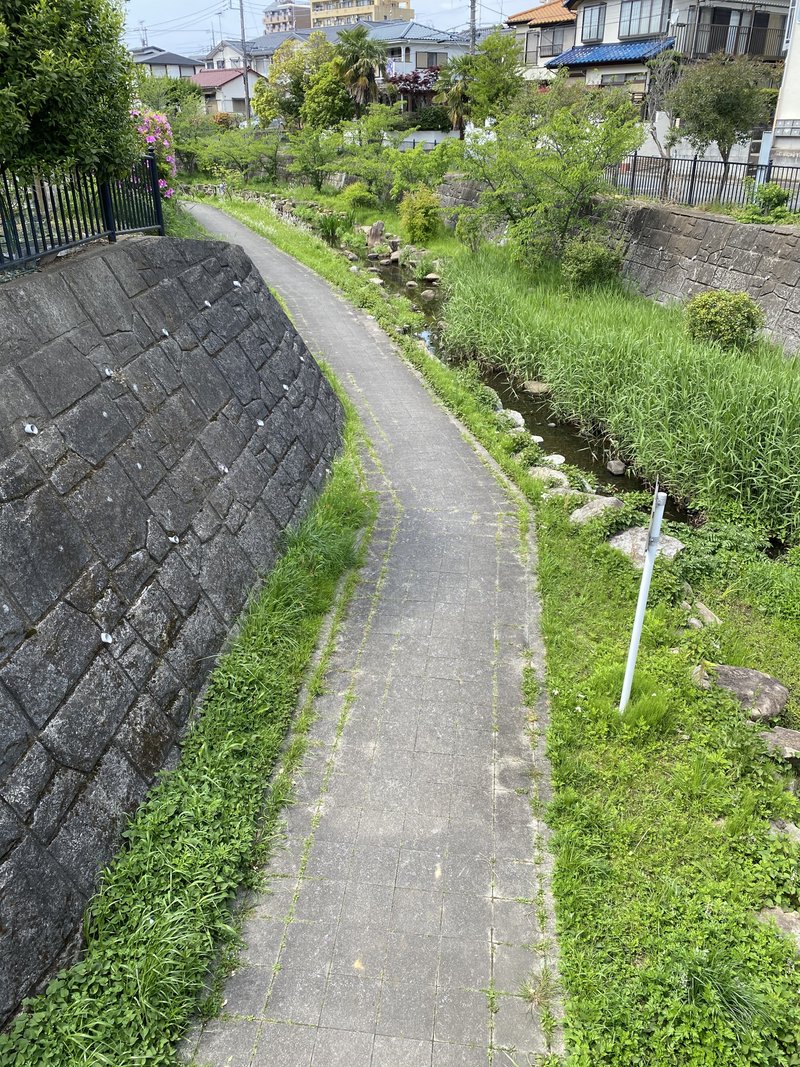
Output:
(626, 52)
(540, 16)
(391, 30)
(212, 79)
(161, 59)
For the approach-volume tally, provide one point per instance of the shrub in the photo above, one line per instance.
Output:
(767, 204)
(730, 319)
(432, 117)
(357, 195)
(531, 244)
(472, 228)
(227, 120)
(590, 262)
(419, 211)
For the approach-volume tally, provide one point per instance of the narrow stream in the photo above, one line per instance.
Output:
(564, 438)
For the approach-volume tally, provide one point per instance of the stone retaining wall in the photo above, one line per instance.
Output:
(161, 424)
(675, 252)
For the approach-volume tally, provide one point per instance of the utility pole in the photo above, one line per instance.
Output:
(244, 58)
(213, 38)
(472, 27)
(143, 33)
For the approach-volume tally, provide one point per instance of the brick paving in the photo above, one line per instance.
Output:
(412, 899)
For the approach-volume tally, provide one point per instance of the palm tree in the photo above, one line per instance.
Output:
(453, 91)
(362, 59)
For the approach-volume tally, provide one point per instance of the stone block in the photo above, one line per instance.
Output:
(41, 550)
(145, 737)
(226, 575)
(154, 617)
(100, 295)
(95, 427)
(86, 840)
(15, 737)
(27, 781)
(69, 639)
(19, 476)
(60, 375)
(177, 581)
(132, 575)
(83, 726)
(205, 383)
(39, 910)
(112, 513)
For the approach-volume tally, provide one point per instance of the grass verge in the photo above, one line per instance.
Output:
(164, 906)
(664, 849)
(720, 429)
(179, 223)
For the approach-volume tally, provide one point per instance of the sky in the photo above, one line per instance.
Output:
(186, 26)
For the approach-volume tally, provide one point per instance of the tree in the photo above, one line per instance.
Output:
(369, 145)
(454, 91)
(327, 102)
(314, 153)
(544, 163)
(719, 101)
(496, 77)
(664, 73)
(66, 86)
(291, 72)
(363, 60)
(248, 153)
(169, 96)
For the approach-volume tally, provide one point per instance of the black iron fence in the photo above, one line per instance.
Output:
(53, 213)
(696, 182)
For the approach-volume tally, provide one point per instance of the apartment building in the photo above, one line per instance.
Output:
(283, 18)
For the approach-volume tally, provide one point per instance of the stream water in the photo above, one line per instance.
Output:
(565, 438)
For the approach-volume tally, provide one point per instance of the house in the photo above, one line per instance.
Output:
(615, 41)
(542, 33)
(344, 12)
(162, 64)
(410, 46)
(223, 90)
(281, 18)
(786, 131)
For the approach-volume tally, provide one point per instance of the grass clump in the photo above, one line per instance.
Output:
(164, 905)
(722, 432)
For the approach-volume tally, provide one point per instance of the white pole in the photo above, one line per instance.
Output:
(653, 538)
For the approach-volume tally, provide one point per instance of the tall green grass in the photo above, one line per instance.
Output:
(721, 429)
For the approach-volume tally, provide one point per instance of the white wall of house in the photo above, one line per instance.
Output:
(405, 56)
(786, 132)
(538, 44)
(169, 70)
(229, 97)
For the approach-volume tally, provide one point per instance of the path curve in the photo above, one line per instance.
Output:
(395, 933)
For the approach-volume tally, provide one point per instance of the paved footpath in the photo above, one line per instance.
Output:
(411, 903)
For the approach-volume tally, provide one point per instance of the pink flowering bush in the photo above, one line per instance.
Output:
(156, 132)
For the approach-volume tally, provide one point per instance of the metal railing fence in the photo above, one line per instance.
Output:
(55, 212)
(695, 182)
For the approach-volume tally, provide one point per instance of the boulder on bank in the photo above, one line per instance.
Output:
(784, 743)
(375, 234)
(788, 922)
(513, 417)
(762, 697)
(536, 388)
(633, 543)
(428, 294)
(597, 506)
(616, 466)
(552, 477)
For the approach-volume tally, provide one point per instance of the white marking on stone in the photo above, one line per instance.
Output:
(164, 332)
(108, 372)
(207, 303)
(175, 540)
(31, 428)
(259, 422)
(107, 639)
(237, 285)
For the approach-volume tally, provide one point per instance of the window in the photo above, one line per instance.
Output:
(551, 42)
(638, 18)
(621, 79)
(594, 22)
(220, 64)
(426, 60)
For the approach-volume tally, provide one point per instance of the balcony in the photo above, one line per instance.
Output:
(699, 42)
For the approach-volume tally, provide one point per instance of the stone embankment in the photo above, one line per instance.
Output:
(161, 424)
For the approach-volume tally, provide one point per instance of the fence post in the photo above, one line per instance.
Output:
(633, 172)
(107, 211)
(152, 167)
(768, 175)
(692, 177)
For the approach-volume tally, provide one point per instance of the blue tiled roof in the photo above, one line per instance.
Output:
(590, 55)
